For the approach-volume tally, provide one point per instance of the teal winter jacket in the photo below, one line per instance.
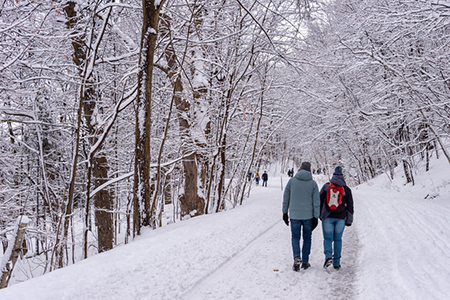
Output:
(301, 197)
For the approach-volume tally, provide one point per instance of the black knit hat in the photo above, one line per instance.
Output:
(338, 171)
(306, 166)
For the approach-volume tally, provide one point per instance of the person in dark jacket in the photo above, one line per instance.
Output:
(335, 219)
(250, 176)
(301, 200)
(264, 178)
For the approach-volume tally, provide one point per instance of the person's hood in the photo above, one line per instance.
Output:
(338, 180)
(303, 175)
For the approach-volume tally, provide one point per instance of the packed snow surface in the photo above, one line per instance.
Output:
(397, 248)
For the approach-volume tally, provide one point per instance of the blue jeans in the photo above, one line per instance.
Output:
(296, 226)
(264, 183)
(333, 229)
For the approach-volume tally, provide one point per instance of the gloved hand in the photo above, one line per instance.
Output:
(315, 221)
(286, 219)
(349, 219)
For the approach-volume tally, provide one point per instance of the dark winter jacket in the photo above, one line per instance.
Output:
(265, 177)
(347, 213)
(301, 197)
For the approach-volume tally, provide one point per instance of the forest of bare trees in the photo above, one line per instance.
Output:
(122, 115)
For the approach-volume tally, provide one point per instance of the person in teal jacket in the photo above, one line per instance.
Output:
(301, 200)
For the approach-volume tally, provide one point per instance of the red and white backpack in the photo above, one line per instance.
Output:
(335, 194)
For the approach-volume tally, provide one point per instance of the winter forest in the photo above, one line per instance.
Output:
(122, 115)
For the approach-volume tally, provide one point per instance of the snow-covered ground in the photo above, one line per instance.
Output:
(397, 248)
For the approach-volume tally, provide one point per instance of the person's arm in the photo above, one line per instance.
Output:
(323, 195)
(286, 198)
(286, 201)
(316, 201)
(348, 194)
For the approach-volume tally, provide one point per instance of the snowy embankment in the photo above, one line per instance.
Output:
(403, 236)
(397, 249)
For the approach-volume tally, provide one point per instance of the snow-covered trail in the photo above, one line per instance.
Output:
(263, 269)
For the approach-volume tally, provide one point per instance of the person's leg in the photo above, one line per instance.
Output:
(295, 237)
(306, 249)
(328, 231)
(337, 241)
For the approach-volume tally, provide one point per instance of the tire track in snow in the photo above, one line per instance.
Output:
(190, 294)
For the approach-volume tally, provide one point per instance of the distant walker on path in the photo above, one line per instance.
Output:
(264, 178)
(257, 178)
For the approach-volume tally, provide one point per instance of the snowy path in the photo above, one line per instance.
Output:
(263, 270)
(252, 274)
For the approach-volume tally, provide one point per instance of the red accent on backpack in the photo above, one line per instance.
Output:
(335, 193)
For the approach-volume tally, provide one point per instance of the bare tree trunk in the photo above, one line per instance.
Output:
(158, 170)
(190, 202)
(221, 153)
(258, 126)
(221, 185)
(142, 188)
(98, 165)
(408, 172)
(13, 251)
(103, 201)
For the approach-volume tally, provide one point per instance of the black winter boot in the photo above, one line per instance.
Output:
(328, 262)
(305, 266)
(297, 262)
